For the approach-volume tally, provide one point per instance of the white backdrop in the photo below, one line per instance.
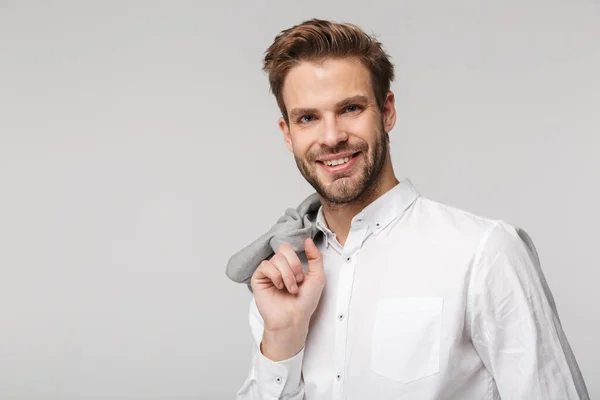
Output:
(139, 149)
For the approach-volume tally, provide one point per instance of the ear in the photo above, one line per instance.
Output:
(389, 112)
(286, 134)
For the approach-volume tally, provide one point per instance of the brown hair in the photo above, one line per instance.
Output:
(316, 40)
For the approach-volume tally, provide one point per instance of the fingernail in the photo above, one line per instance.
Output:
(299, 277)
(294, 287)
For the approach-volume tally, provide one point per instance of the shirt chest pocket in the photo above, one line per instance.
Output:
(406, 336)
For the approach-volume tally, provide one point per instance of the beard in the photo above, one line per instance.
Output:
(352, 186)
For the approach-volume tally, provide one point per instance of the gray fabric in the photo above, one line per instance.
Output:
(294, 227)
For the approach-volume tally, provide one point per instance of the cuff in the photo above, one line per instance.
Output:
(279, 378)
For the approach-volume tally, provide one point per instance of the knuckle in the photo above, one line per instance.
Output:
(296, 263)
(286, 250)
(278, 260)
(289, 277)
(285, 247)
(263, 267)
(286, 274)
(276, 274)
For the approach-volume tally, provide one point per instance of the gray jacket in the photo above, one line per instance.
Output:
(294, 227)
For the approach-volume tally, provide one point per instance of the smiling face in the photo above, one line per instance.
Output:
(336, 131)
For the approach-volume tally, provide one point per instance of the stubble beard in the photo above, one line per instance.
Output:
(348, 187)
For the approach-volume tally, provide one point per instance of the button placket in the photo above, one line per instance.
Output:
(345, 284)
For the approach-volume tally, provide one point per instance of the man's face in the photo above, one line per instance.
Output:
(334, 119)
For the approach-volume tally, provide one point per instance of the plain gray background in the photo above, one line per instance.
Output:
(139, 149)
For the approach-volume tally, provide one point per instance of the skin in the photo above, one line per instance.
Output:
(359, 126)
(331, 110)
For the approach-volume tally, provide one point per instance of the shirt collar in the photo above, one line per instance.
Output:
(381, 212)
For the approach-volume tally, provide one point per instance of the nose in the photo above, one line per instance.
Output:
(333, 134)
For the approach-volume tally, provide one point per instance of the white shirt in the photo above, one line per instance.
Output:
(425, 302)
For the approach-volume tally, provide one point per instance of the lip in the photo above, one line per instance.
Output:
(340, 168)
(338, 156)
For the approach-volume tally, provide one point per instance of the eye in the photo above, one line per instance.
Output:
(306, 119)
(352, 108)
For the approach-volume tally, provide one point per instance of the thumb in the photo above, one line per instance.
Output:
(314, 256)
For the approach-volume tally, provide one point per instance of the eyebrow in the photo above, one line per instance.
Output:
(360, 99)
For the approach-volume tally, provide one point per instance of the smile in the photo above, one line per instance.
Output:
(339, 165)
(337, 162)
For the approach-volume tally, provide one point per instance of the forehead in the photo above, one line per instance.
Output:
(323, 83)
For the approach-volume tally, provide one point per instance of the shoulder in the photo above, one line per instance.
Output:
(451, 221)
(458, 225)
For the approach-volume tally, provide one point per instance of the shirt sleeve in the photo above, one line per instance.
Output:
(514, 322)
(270, 380)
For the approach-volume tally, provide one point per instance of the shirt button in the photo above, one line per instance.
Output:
(348, 259)
(339, 377)
(278, 379)
(341, 316)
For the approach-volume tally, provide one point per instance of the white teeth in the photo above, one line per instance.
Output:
(337, 162)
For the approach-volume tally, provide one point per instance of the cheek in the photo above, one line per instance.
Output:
(300, 146)
(365, 130)
(362, 125)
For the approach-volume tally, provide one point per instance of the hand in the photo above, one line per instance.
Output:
(287, 297)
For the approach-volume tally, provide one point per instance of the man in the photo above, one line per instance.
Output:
(397, 297)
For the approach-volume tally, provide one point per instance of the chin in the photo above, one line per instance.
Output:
(349, 192)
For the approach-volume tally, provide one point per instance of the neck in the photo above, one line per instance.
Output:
(339, 216)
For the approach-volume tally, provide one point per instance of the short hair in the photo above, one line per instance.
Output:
(317, 40)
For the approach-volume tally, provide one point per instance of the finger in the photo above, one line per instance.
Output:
(266, 271)
(280, 262)
(314, 256)
(293, 261)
